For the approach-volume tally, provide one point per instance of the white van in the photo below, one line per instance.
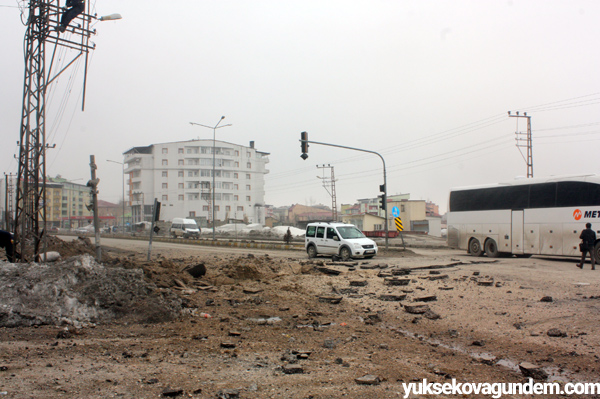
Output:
(340, 239)
(186, 228)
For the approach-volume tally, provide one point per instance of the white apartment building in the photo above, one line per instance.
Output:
(180, 176)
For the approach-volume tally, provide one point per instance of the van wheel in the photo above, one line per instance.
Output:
(345, 253)
(491, 248)
(475, 247)
(312, 251)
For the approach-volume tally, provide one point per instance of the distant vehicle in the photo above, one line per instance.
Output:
(537, 216)
(84, 230)
(186, 228)
(339, 239)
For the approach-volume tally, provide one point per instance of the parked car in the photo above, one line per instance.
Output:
(338, 239)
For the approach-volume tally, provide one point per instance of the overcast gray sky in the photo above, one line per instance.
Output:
(426, 83)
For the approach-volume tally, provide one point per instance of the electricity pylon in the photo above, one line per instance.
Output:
(44, 35)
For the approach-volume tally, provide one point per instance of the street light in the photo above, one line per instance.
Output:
(213, 168)
(123, 187)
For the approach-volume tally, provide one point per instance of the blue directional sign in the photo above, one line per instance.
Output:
(395, 212)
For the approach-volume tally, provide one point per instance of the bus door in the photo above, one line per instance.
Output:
(517, 232)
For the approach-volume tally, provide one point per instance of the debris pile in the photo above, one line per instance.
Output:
(77, 291)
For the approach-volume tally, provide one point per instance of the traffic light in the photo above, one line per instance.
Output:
(157, 212)
(382, 201)
(382, 188)
(304, 145)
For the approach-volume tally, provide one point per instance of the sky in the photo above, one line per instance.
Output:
(426, 84)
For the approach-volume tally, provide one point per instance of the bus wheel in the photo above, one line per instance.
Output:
(491, 248)
(475, 247)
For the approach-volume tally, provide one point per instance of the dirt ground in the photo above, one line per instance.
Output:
(274, 324)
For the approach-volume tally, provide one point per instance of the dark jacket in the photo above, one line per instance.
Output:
(588, 238)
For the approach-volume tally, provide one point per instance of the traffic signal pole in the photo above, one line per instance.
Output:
(304, 146)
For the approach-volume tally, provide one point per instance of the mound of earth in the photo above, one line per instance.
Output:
(79, 290)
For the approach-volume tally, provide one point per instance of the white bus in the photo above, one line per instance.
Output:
(538, 216)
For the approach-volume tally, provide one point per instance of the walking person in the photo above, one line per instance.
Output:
(588, 239)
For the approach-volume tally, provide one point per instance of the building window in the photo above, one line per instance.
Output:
(165, 173)
(180, 150)
(237, 164)
(180, 173)
(165, 150)
(165, 185)
(236, 198)
(165, 162)
(180, 197)
(227, 208)
(248, 198)
(216, 208)
(248, 187)
(236, 187)
(240, 208)
(165, 197)
(192, 214)
(205, 208)
(235, 175)
(248, 165)
(180, 162)
(248, 155)
(247, 176)
(180, 185)
(237, 153)
(402, 208)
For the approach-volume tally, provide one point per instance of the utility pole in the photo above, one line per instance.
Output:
(93, 184)
(527, 139)
(330, 182)
(48, 25)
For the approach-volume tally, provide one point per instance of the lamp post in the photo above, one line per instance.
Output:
(123, 187)
(214, 129)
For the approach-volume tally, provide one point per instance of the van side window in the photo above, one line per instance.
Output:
(320, 231)
(331, 233)
(310, 231)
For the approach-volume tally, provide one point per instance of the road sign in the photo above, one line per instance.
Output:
(399, 226)
(395, 212)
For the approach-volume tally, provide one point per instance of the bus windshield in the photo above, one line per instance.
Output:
(350, 232)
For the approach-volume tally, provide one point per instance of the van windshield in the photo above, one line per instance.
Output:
(350, 232)
(190, 226)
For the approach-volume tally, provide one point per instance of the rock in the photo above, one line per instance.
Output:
(359, 283)
(546, 299)
(228, 345)
(431, 315)
(292, 369)
(555, 332)
(533, 371)
(228, 394)
(416, 309)
(252, 290)
(368, 379)
(478, 343)
(488, 359)
(172, 393)
(486, 283)
(348, 291)
(196, 271)
(400, 272)
(331, 299)
(392, 298)
(329, 344)
(429, 298)
(453, 333)
(396, 281)
(330, 271)
(440, 277)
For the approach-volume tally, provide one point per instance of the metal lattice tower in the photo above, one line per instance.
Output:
(329, 186)
(42, 32)
(528, 141)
